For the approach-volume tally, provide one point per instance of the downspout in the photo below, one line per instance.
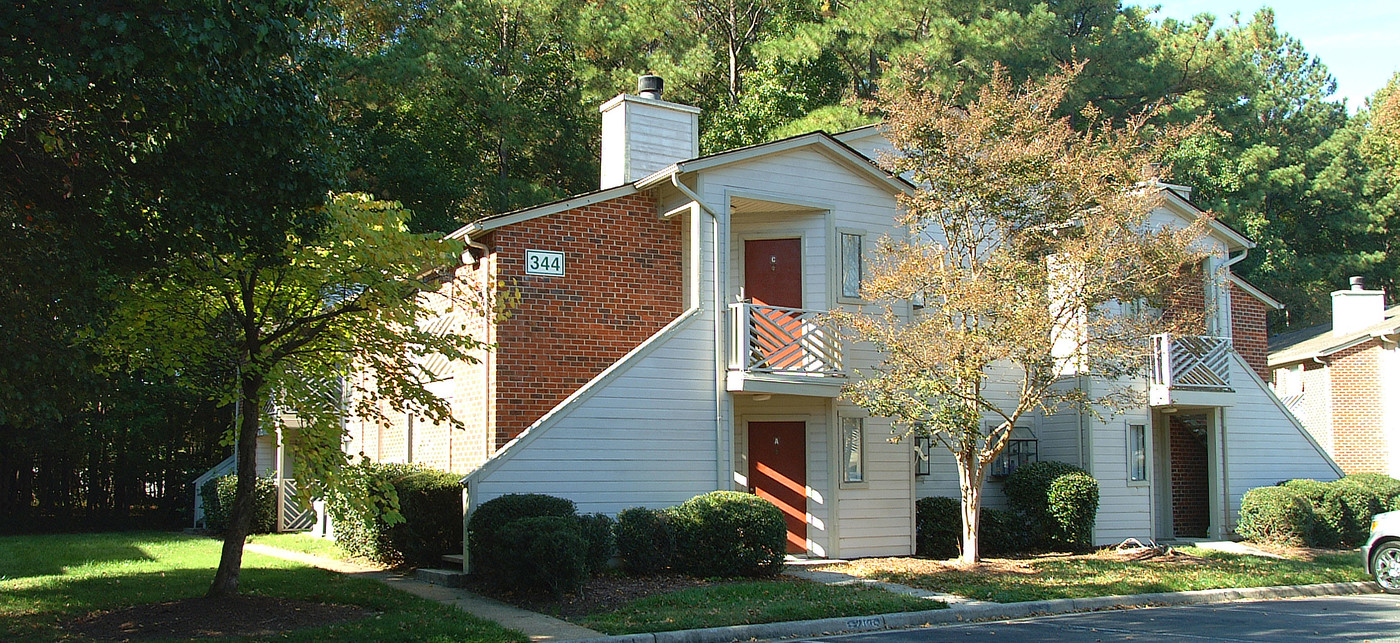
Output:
(467, 497)
(1222, 443)
(721, 445)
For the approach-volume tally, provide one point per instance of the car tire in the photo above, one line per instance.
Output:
(1385, 567)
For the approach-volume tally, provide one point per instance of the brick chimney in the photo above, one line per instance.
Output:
(643, 134)
(1357, 308)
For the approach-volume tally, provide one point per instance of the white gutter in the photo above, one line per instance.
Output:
(721, 360)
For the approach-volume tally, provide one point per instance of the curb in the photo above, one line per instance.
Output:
(983, 612)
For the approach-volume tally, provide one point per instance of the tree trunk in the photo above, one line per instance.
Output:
(241, 516)
(970, 485)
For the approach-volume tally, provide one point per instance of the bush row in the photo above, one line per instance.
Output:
(218, 495)
(1053, 505)
(535, 542)
(1317, 514)
(538, 543)
(429, 502)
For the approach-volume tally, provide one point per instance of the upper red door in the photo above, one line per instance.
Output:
(773, 271)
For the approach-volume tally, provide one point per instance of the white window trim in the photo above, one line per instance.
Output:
(840, 271)
(1147, 453)
(864, 481)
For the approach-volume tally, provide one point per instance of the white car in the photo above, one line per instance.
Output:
(1382, 551)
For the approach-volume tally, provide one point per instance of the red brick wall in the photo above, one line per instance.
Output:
(1190, 465)
(1357, 424)
(622, 283)
(1187, 303)
(1249, 329)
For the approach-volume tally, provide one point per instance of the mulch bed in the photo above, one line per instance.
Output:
(205, 617)
(602, 593)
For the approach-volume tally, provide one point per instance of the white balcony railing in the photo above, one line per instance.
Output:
(773, 339)
(1190, 362)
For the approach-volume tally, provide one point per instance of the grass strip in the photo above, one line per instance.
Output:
(749, 602)
(1051, 577)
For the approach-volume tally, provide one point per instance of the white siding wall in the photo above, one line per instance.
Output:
(643, 433)
(1125, 508)
(1263, 443)
(815, 412)
(1390, 397)
(876, 517)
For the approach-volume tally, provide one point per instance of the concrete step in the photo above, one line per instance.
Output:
(452, 560)
(444, 577)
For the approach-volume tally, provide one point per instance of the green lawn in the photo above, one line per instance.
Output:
(46, 581)
(749, 602)
(304, 543)
(1102, 574)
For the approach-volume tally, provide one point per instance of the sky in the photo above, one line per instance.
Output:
(1358, 40)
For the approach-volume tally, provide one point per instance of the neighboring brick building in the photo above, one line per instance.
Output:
(1342, 380)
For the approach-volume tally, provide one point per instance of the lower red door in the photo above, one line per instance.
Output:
(778, 474)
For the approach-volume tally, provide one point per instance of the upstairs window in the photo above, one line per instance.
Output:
(852, 264)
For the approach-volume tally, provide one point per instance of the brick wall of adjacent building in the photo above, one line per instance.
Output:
(1358, 430)
(1190, 467)
(623, 282)
(1249, 329)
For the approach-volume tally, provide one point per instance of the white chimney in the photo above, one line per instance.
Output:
(643, 134)
(1358, 308)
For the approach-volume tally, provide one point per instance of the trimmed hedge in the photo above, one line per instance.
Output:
(1060, 502)
(937, 527)
(546, 552)
(1387, 488)
(218, 495)
(429, 501)
(645, 541)
(492, 552)
(597, 532)
(728, 533)
(1343, 510)
(1278, 515)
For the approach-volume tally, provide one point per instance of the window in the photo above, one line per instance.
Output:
(1018, 451)
(1137, 453)
(851, 265)
(922, 445)
(853, 447)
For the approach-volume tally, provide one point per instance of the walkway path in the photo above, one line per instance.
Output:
(538, 627)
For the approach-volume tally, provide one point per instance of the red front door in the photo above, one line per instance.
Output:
(773, 281)
(778, 474)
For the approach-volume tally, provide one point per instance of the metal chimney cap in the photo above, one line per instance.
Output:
(1358, 283)
(650, 86)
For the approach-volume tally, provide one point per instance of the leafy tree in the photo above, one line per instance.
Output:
(462, 109)
(1024, 235)
(291, 324)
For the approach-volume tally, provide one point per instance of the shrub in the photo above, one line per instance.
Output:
(1343, 510)
(728, 533)
(547, 553)
(1001, 533)
(597, 531)
(1059, 501)
(218, 495)
(491, 551)
(1387, 489)
(1279, 515)
(645, 541)
(1074, 502)
(429, 505)
(938, 527)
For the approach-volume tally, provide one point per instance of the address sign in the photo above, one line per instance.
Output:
(544, 262)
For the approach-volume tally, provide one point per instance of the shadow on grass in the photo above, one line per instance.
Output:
(38, 610)
(49, 555)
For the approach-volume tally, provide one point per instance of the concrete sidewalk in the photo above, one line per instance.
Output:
(536, 626)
